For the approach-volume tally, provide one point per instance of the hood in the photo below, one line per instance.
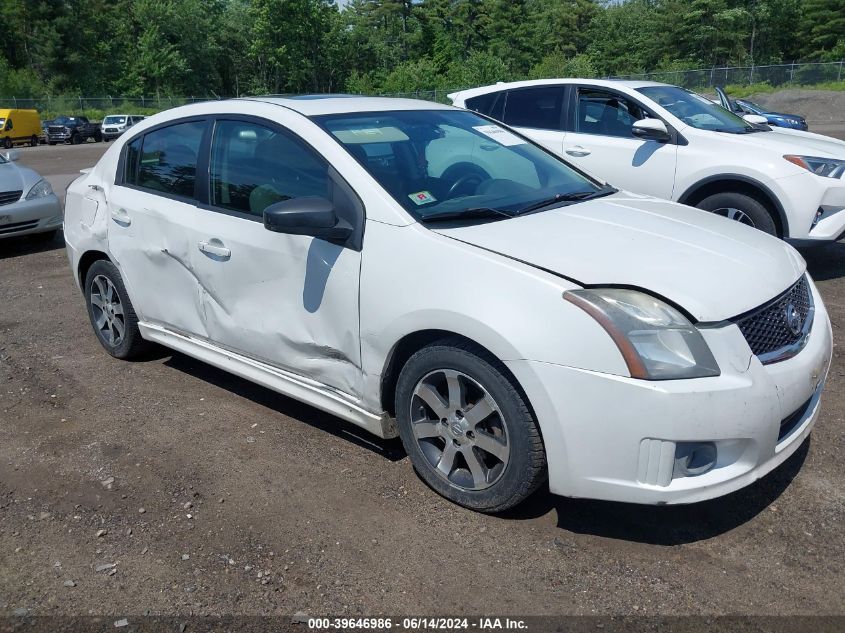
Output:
(783, 140)
(712, 267)
(14, 177)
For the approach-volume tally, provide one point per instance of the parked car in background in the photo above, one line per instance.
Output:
(73, 129)
(668, 142)
(744, 107)
(42, 138)
(19, 126)
(116, 124)
(28, 205)
(416, 268)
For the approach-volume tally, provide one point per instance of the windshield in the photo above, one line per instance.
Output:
(455, 163)
(697, 111)
(114, 120)
(750, 105)
(64, 119)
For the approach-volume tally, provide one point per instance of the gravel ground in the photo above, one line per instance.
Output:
(166, 486)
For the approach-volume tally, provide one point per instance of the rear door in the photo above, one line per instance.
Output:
(537, 112)
(287, 300)
(153, 215)
(599, 140)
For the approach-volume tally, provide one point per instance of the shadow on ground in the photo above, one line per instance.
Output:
(826, 262)
(389, 449)
(665, 525)
(29, 245)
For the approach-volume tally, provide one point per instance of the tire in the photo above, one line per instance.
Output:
(33, 142)
(129, 344)
(105, 139)
(98, 138)
(76, 139)
(7, 143)
(503, 439)
(745, 209)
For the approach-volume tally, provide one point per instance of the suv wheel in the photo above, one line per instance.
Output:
(467, 429)
(742, 208)
(76, 139)
(111, 313)
(33, 142)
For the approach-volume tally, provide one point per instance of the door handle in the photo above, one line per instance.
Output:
(215, 248)
(121, 216)
(578, 150)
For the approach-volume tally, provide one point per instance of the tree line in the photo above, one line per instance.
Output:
(232, 47)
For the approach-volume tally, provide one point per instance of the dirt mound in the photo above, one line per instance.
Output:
(817, 106)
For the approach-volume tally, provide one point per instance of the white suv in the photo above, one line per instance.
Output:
(668, 142)
(526, 325)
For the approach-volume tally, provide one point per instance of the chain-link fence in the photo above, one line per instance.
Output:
(777, 75)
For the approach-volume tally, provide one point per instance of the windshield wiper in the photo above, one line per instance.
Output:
(473, 213)
(572, 196)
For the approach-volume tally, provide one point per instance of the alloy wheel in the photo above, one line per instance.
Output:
(459, 429)
(736, 214)
(109, 318)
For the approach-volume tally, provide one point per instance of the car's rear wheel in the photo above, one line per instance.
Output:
(33, 142)
(111, 313)
(741, 208)
(467, 428)
(98, 138)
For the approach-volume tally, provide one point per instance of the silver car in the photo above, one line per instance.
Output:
(28, 205)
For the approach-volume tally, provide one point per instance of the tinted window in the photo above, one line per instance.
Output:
(492, 104)
(253, 166)
(606, 113)
(130, 162)
(169, 159)
(535, 107)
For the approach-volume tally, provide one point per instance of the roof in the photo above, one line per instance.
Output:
(605, 83)
(312, 105)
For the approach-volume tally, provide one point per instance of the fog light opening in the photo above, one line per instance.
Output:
(818, 217)
(694, 458)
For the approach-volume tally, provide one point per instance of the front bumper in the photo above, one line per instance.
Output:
(58, 138)
(615, 438)
(110, 135)
(27, 217)
(803, 196)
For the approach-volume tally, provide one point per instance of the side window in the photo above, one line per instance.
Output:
(253, 167)
(9, 124)
(606, 113)
(535, 107)
(169, 159)
(492, 104)
(130, 162)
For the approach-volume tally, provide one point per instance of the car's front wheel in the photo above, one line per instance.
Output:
(741, 208)
(467, 428)
(111, 313)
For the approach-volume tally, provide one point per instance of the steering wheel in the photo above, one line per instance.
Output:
(470, 178)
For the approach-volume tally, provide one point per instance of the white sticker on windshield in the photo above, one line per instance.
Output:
(500, 135)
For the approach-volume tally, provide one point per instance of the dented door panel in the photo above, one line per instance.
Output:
(288, 300)
(150, 238)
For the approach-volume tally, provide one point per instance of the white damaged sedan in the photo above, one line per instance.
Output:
(420, 270)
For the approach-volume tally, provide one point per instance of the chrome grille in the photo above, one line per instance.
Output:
(771, 331)
(8, 197)
(56, 129)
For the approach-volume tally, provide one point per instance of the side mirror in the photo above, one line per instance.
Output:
(11, 155)
(313, 216)
(756, 119)
(650, 130)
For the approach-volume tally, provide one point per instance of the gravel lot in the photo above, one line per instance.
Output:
(168, 487)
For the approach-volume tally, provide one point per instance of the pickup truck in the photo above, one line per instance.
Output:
(76, 129)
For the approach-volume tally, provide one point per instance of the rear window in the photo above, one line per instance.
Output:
(165, 160)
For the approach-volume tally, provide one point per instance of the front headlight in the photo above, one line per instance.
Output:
(828, 167)
(39, 190)
(656, 341)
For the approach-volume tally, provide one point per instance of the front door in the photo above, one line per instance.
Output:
(601, 143)
(287, 300)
